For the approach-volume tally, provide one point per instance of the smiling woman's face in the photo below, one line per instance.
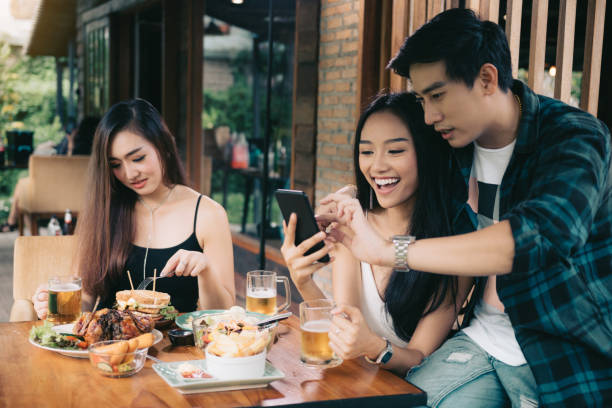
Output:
(135, 163)
(387, 159)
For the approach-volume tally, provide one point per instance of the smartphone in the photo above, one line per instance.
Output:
(296, 201)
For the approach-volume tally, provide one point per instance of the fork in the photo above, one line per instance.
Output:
(147, 281)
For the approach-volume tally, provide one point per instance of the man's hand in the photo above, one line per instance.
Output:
(328, 208)
(350, 227)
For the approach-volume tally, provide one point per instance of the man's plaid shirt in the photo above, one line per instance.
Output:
(557, 195)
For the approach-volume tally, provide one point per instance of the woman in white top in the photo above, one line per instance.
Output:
(390, 317)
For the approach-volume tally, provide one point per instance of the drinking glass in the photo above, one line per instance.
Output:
(64, 299)
(315, 321)
(200, 330)
(261, 292)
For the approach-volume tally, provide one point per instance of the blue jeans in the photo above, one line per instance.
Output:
(461, 374)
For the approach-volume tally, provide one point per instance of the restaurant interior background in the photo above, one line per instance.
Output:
(205, 66)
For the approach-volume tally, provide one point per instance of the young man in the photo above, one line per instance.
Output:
(532, 175)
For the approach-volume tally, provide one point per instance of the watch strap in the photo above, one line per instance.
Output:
(400, 245)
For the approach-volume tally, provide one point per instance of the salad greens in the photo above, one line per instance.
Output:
(168, 312)
(46, 336)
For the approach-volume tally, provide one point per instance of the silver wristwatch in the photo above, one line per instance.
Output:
(384, 355)
(400, 244)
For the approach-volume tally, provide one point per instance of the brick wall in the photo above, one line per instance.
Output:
(337, 102)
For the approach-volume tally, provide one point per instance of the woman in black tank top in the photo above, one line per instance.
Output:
(141, 217)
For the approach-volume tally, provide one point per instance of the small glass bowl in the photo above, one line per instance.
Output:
(116, 364)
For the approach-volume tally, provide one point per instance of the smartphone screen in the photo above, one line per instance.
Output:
(296, 201)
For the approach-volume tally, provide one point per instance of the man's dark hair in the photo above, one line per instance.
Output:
(463, 42)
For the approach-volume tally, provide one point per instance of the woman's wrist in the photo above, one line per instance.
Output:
(309, 289)
(376, 347)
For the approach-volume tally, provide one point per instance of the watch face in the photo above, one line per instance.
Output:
(386, 357)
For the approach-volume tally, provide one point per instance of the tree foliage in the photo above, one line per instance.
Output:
(27, 101)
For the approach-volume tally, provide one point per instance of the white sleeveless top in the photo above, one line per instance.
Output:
(373, 308)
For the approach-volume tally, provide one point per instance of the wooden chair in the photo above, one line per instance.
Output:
(55, 183)
(36, 259)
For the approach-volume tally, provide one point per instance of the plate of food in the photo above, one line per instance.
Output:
(192, 376)
(185, 321)
(106, 324)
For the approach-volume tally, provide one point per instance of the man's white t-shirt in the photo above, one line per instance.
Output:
(490, 327)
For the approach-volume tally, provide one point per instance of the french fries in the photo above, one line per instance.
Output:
(118, 352)
(145, 340)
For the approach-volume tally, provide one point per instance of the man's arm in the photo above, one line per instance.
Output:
(488, 251)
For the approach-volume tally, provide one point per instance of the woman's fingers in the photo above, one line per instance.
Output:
(171, 265)
(311, 260)
(290, 230)
(307, 244)
(185, 263)
(40, 300)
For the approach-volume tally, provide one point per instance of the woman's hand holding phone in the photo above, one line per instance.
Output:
(301, 267)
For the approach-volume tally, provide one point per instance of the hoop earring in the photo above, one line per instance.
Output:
(371, 198)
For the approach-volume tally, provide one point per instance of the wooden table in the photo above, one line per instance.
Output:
(33, 377)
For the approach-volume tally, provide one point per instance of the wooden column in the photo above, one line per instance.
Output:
(368, 53)
(565, 49)
(537, 45)
(434, 7)
(513, 31)
(182, 81)
(489, 10)
(589, 96)
(400, 29)
(386, 21)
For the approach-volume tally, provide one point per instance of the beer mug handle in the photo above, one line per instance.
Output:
(287, 303)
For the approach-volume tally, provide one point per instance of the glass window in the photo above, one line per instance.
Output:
(96, 51)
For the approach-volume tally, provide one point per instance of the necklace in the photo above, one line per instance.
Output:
(150, 237)
(518, 100)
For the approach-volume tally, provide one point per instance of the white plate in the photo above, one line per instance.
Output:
(67, 328)
(169, 372)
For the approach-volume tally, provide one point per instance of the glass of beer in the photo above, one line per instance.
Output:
(315, 321)
(64, 299)
(261, 292)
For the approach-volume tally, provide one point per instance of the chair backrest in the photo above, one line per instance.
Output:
(35, 260)
(57, 183)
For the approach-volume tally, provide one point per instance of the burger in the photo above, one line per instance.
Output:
(155, 305)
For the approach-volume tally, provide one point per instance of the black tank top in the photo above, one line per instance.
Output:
(183, 290)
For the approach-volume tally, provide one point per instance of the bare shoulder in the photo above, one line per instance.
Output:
(210, 209)
(212, 219)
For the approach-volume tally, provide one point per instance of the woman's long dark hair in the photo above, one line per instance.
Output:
(106, 224)
(411, 295)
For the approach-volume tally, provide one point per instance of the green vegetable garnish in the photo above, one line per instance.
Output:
(46, 336)
(168, 312)
(105, 367)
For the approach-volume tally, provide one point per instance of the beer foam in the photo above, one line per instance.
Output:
(64, 287)
(261, 293)
(317, 326)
